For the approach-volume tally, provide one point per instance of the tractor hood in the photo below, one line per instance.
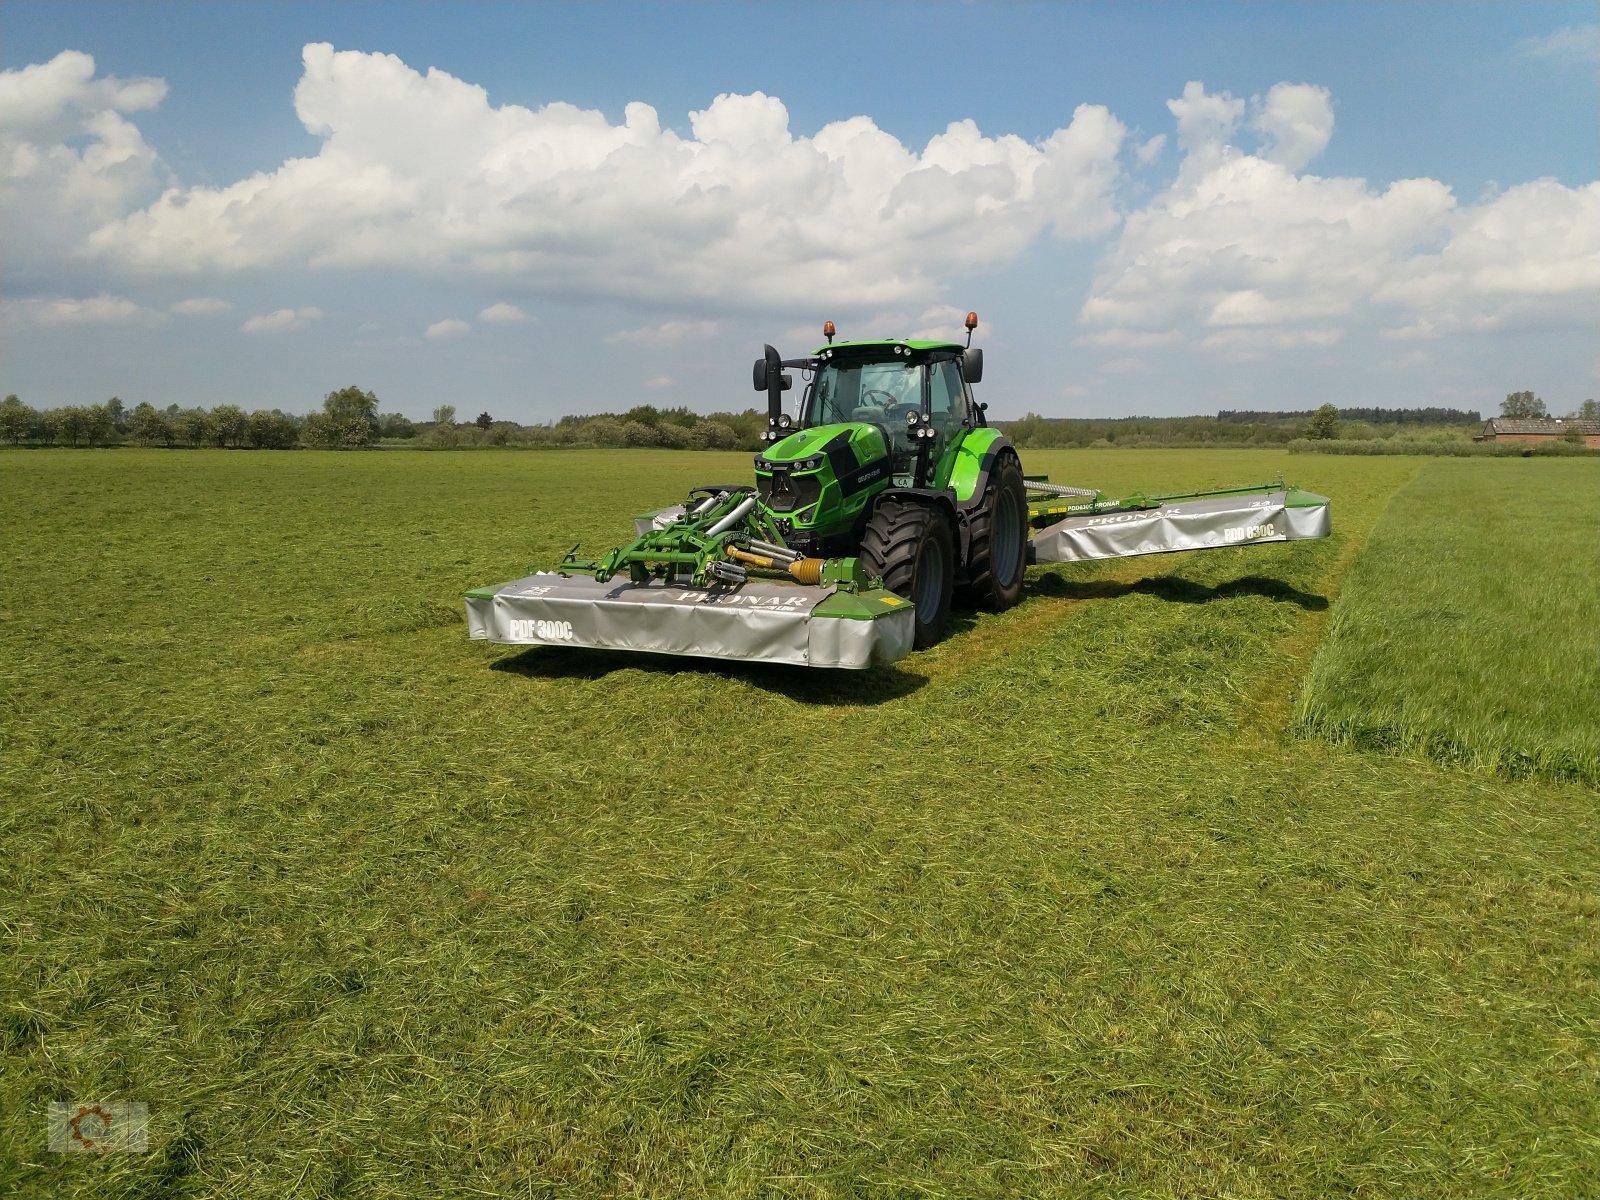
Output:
(846, 445)
(819, 480)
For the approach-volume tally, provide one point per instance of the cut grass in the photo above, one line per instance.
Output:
(1468, 630)
(362, 908)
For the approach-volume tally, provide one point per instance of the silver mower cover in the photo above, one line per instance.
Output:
(1205, 523)
(758, 621)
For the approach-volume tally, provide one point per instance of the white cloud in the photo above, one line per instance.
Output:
(450, 327)
(1128, 339)
(1573, 43)
(93, 310)
(283, 320)
(420, 172)
(1297, 121)
(69, 160)
(1244, 254)
(1147, 152)
(659, 381)
(668, 333)
(1205, 121)
(502, 314)
(201, 306)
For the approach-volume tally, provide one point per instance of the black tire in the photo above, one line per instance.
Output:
(910, 546)
(997, 540)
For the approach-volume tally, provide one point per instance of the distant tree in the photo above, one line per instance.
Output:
(1589, 410)
(637, 433)
(714, 435)
(16, 419)
(1324, 423)
(99, 427)
(232, 426)
(193, 427)
(1524, 405)
(47, 427)
(393, 425)
(601, 431)
(72, 423)
(484, 421)
(503, 433)
(672, 436)
(149, 427)
(644, 414)
(353, 415)
(1571, 432)
(322, 432)
(444, 425)
(272, 430)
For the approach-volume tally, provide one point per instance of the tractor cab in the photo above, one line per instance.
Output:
(914, 393)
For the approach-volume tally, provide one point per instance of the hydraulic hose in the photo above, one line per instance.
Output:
(802, 570)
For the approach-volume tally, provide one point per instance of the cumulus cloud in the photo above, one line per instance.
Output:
(419, 171)
(668, 333)
(502, 314)
(201, 306)
(1573, 43)
(1244, 253)
(1148, 151)
(448, 328)
(1296, 119)
(283, 320)
(69, 158)
(93, 310)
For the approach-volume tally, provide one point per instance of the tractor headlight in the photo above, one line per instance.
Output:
(783, 420)
(809, 464)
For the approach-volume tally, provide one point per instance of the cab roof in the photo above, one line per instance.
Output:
(887, 346)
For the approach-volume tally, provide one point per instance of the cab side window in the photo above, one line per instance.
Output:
(947, 397)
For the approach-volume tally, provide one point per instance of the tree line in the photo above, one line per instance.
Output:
(1372, 416)
(349, 419)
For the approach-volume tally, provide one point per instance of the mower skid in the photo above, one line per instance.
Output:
(757, 621)
(1203, 523)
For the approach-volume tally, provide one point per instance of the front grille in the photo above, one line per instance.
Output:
(783, 492)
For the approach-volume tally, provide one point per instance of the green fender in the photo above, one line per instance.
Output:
(969, 465)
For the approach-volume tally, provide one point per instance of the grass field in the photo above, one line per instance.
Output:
(1056, 908)
(1480, 579)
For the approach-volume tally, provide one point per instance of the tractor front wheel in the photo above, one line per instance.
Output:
(910, 546)
(997, 548)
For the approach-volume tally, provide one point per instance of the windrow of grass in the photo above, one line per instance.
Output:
(1468, 630)
(361, 908)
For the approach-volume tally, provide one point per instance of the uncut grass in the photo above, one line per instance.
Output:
(362, 908)
(1469, 629)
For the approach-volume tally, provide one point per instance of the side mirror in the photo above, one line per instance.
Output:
(759, 375)
(788, 380)
(972, 366)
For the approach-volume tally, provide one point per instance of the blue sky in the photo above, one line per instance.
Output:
(535, 209)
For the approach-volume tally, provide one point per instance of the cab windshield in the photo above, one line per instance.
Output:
(879, 392)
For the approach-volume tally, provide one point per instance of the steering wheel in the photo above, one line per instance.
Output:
(890, 400)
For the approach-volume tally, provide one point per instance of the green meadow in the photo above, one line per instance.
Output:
(1189, 876)
(1469, 628)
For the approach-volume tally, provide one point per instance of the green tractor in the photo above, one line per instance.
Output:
(882, 497)
(889, 460)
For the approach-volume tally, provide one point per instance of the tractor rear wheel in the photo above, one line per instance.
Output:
(910, 546)
(997, 542)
